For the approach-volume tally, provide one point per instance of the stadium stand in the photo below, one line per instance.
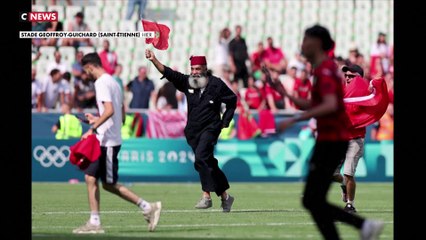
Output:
(195, 31)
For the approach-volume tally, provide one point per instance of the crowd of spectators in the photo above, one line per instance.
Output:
(233, 63)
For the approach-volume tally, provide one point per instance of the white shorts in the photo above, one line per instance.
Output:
(353, 154)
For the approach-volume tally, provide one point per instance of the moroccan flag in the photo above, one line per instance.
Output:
(161, 40)
(368, 109)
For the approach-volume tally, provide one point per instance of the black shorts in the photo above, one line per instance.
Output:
(106, 167)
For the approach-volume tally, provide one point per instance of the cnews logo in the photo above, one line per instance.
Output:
(40, 16)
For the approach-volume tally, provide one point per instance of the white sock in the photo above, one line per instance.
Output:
(350, 202)
(227, 197)
(144, 205)
(95, 219)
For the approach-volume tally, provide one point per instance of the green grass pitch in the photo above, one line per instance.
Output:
(260, 211)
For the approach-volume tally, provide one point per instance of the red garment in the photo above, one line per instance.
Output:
(247, 126)
(85, 151)
(266, 122)
(330, 53)
(257, 58)
(107, 65)
(333, 126)
(391, 95)
(358, 87)
(302, 88)
(275, 95)
(161, 34)
(274, 55)
(253, 98)
(368, 109)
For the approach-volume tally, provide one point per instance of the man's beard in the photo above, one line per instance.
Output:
(197, 81)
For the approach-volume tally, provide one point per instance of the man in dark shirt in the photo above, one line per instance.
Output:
(238, 56)
(141, 88)
(205, 94)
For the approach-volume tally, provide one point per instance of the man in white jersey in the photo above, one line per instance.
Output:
(108, 129)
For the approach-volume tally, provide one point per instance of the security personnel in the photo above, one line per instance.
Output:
(205, 94)
(68, 125)
(126, 129)
(132, 126)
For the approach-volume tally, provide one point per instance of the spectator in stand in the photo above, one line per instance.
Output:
(353, 54)
(238, 57)
(142, 89)
(35, 89)
(52, 27)
(166, 97)
(376, 68)
(253, 96)
(288, 81)
(116, 76)
(66, 88)
(275, 58)
(109, 58)
(35, 55)
(85, 95)
(340, 62)
(360, 60)
(38, 27)
(222, 52)
(257, 58)
(299, 62)
(51, 93)
(302, 87)
(131, 5)
(274, 99)
(77, 25)
(380, 49)
(227, 76)
(77, 68)
(57, 63)
(235, 88)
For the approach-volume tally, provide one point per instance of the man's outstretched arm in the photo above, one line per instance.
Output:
(179, 80)
(150, 56)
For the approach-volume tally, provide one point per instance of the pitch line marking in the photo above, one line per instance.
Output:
(200, 211)
(200, 225)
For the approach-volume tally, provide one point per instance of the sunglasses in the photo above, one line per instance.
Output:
(350, 75)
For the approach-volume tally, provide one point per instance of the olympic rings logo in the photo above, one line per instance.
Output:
(51, 155)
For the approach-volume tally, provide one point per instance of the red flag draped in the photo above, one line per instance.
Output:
(367, 109)
(85, 152)
(266, 122)
(166, 124)
(162, 32)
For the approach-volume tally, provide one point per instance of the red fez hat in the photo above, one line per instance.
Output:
(198, 60)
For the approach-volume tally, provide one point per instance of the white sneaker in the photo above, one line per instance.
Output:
(153, 216)
(371, 229)
(88, 228)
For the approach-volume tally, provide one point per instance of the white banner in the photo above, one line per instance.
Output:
(86, 34)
